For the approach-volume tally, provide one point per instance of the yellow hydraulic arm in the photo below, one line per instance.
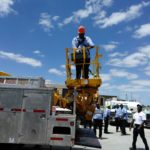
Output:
(87, 89)
(4, 74)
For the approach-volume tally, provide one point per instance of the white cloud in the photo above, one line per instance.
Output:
(132, 88)
(117, 54)
(144, 30)
(105, 77)
(55, 18)
(6, 7)
(135, 59)
(144, 83)
(127, 91)
(118, 17)
(147, 70)
(83, 13)
(145, 50)
(105, 85)
(123, 74)
(55, 72)
(107, 2)
(47, 21)
(66, 21)
(91, 7)
(20, 59)
(96, 3)
(77, 16)
(36, 52)
(110, 46)
(63, 66)
(39, 53)
(139, 58)
(128, 29)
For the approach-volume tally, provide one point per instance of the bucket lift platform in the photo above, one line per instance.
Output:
(94, 82)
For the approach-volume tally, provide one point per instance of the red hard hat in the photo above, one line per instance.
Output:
(81, 29)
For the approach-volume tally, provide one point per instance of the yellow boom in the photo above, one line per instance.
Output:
(4, 74)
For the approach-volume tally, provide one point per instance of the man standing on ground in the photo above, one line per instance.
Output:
(106, 119)
(123, 120)
(117, 117)
(98, 120)
(138, 120)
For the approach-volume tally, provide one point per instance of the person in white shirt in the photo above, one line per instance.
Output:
(138, 121)
(78, 43)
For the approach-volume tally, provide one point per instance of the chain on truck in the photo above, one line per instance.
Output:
(31, 113)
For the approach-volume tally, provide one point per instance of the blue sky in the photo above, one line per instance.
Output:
(35, 33)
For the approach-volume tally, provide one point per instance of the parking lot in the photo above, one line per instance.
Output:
(112, 141)
(115, 141)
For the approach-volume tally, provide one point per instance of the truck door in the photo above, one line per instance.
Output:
(10, 104)
(36, 104)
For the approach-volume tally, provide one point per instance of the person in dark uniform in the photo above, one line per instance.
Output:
(138, 120)
(98, 120)
(106, 119)
(123, 120)
(117, 117)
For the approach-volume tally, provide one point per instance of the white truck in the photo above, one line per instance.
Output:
(146, 110)
(28, 116)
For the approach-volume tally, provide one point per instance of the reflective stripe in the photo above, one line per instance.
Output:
(18, 110)
(56, 138)
(39, 111)
(22, 110)
(61, 119)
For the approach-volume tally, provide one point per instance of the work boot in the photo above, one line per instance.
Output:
(133, 148)
(146, 148)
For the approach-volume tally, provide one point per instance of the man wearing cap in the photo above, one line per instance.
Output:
(78, 43)
(138, 120)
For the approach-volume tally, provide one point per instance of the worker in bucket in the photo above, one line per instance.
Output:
(78, 43)
(138, 124)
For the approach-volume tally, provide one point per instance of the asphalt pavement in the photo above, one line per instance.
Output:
(115, 141)
(112, 141)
